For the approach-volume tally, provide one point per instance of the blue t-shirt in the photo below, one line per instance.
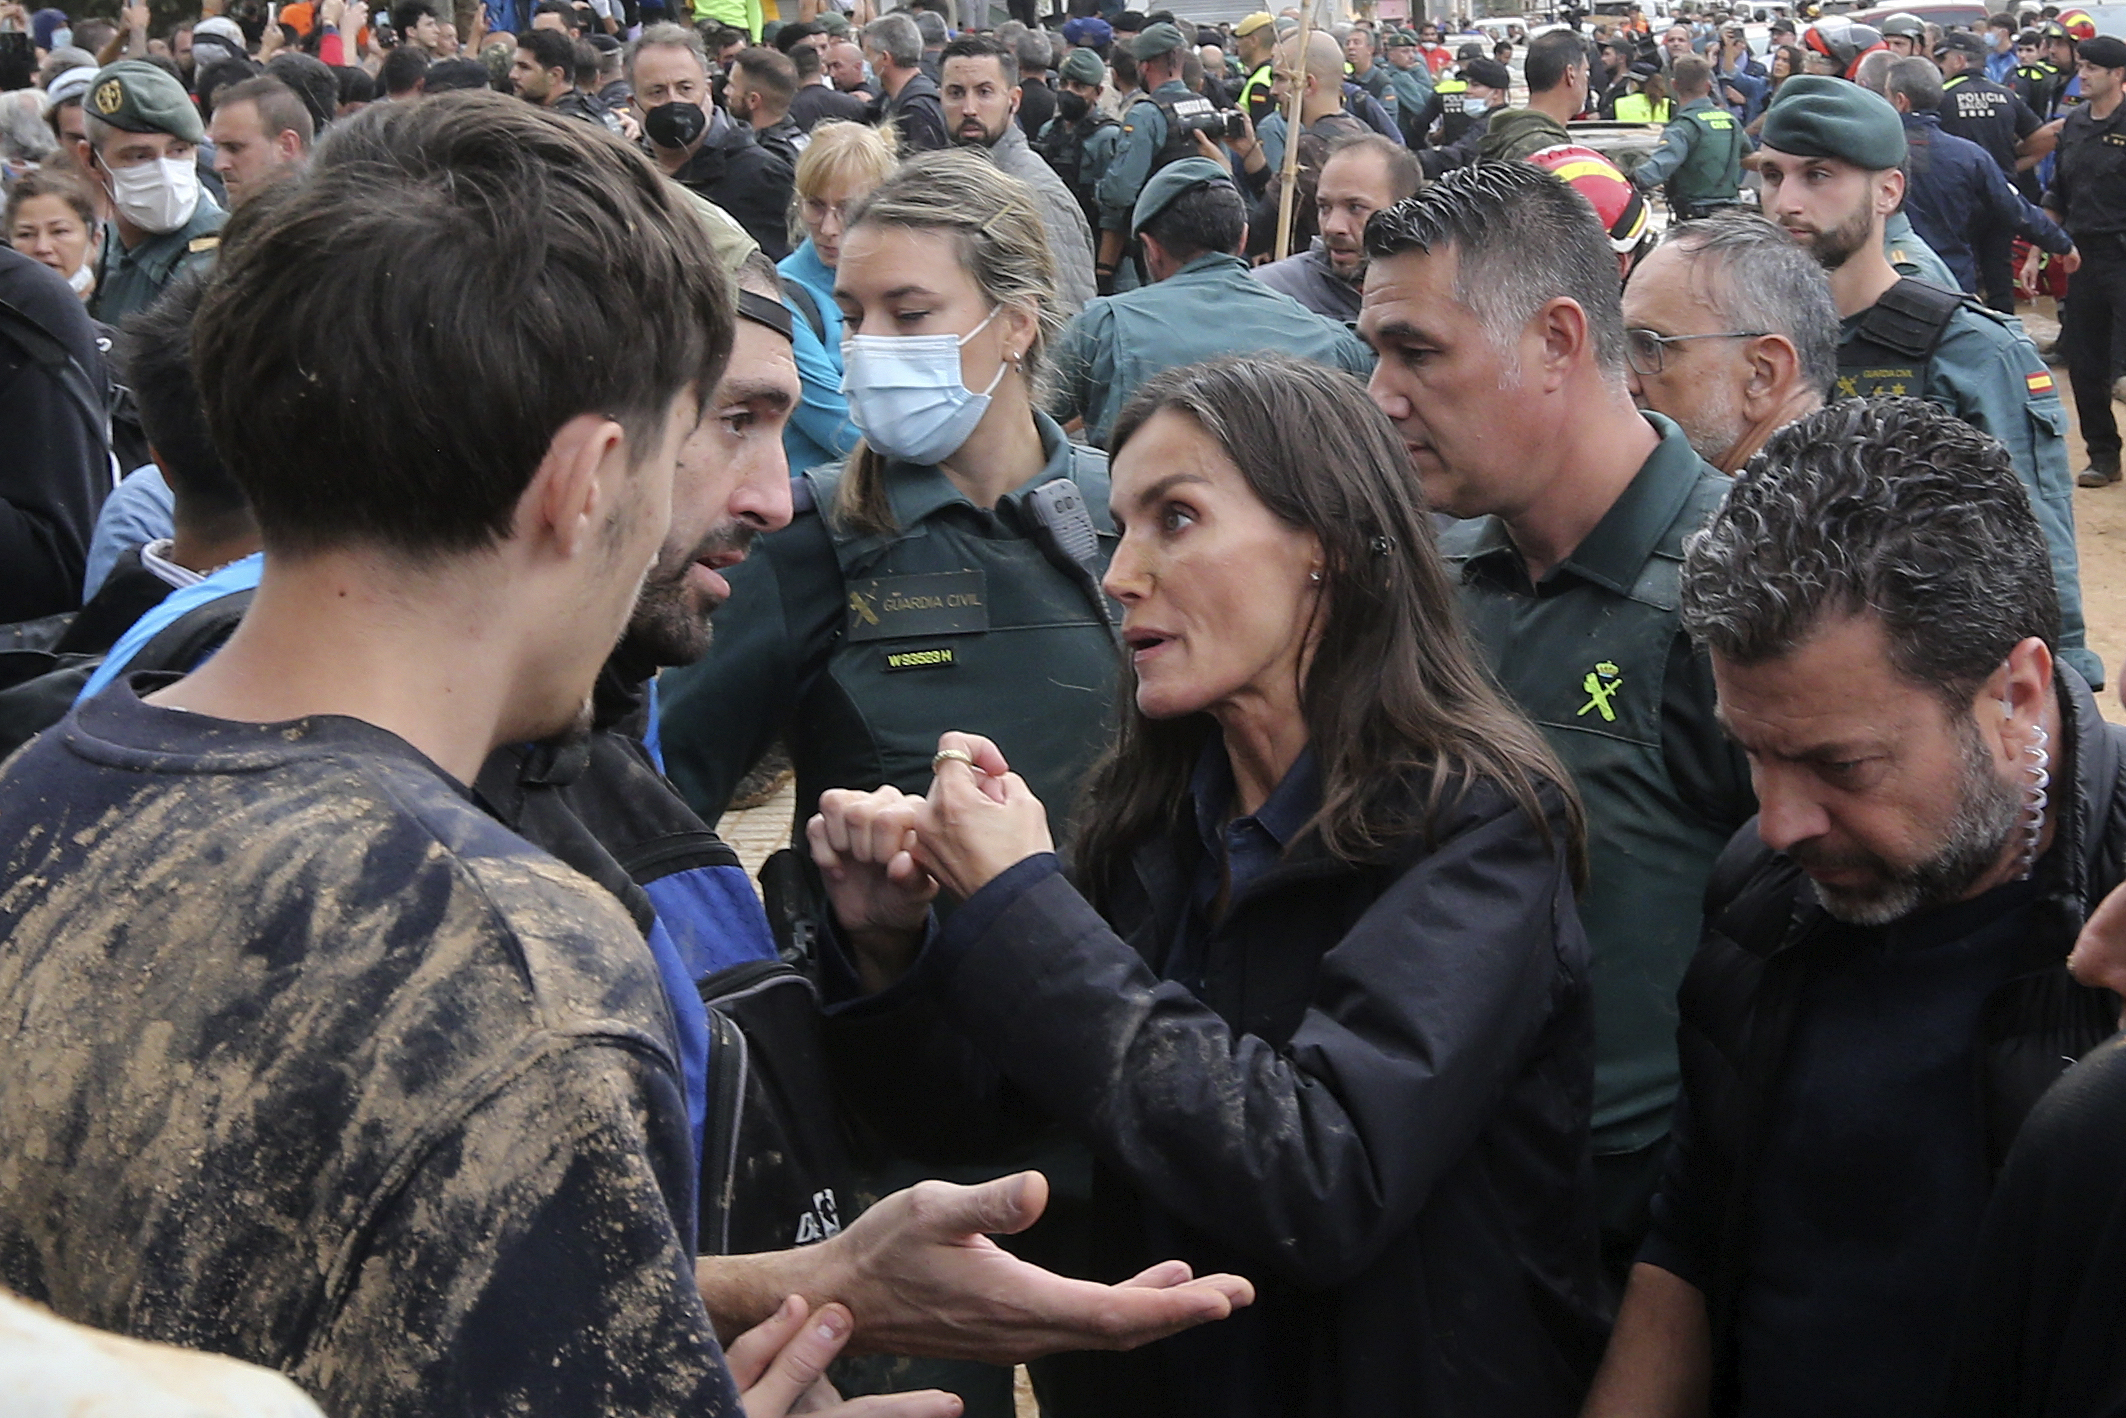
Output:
(141, 509)
(236, 576)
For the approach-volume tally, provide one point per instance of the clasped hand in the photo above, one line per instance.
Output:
(884, 855)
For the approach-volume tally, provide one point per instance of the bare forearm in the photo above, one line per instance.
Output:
(1660, 1358)
(743, 1291)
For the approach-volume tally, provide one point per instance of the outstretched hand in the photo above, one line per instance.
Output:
(922, 1277)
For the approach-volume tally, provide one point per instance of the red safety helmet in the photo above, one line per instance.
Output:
(1615, 200)
(2077, 24)
(1842, 41)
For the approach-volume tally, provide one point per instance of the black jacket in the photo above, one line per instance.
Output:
(54, 396)
(746, 180)
(920, 114)
(1766, 935)
(1377, 1110)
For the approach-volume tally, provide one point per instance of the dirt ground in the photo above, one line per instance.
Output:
(2100, 532)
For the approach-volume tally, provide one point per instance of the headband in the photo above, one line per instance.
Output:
(763, 311)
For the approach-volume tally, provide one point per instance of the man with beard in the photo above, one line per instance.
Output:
(1492, 301)
(980, 91)
(1882, 993)
(1729, 330)
(1831, 161)
(1362, 174)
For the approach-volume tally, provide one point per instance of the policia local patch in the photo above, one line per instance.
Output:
(899, 607)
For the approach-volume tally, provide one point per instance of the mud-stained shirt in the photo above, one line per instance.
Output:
(311, 1062)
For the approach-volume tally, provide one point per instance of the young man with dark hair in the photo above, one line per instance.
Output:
(1556, 71)
(415, 22)
(980, 92)
(544, 70)
(402, 72)
(757, 92)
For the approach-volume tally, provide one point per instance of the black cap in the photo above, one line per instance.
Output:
(2105, 51)
(1963, 42)
(1488, 72)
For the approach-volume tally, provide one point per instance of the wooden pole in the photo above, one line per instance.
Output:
(1290, 176)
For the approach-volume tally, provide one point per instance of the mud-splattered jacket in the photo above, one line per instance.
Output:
(313, 1063)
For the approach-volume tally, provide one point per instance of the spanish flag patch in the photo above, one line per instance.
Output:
(2040, 383)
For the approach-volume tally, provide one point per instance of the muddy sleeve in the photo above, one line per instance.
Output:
(1312, 1155)
(529, 1262)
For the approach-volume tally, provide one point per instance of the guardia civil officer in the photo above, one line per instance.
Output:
(1831, 158)
(1201, 303)
(144, 137)
(949, 569)
(1080, 141)
(2088, 197)
(1700, 157)
(1152, 137)
(1417, 106)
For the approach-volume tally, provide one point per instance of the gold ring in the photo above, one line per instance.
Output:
(950, 755)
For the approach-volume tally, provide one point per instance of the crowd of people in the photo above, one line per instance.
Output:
(1437, 772)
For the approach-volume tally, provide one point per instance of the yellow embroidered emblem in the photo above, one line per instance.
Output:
(1601, 684)
(110, 97)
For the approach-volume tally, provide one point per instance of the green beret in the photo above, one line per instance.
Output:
(1816, 116)
(1170, 182)
(1156, 40)
(1082, 66)
(834, 22)
(140, 98)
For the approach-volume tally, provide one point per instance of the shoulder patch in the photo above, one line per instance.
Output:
(202, 243)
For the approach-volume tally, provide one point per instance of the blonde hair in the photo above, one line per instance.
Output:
(841, 154)
(997, 227)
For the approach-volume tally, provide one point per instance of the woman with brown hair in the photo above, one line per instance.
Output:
(1314, 993)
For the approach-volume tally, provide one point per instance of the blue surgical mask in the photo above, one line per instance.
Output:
(907, 396)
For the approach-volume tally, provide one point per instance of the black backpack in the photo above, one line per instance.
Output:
(39, 684)
(1063, 147)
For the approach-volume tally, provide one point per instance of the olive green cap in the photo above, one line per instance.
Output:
(1816, 116)
(140, 98)
(1082, 66)
(1156, 40)
(1170, 182)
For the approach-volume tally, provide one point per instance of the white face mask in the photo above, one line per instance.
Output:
(1474, 106)
(907, 396)
(157, 196)
(84, 276)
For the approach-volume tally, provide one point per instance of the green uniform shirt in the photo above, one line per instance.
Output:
(1700, 157)
(1595, 654)
(1987, 373)
(127, 281)
(1143, 135)
(1210, 307)
(859, 653)
(1413, 95)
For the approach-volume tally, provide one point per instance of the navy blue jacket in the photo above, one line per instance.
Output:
(1954, 187)
(1371, 1099)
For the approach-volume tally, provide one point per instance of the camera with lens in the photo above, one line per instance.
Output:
(1200, 115)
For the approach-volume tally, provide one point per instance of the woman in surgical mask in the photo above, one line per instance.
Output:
(50, 218)
(838, 169)
(948, 569)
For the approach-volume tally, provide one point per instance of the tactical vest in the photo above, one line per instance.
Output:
(1063, 147)
(1712, 174)
(1890, 351)
(1180, 142)
(955, 623)
(1589, 667)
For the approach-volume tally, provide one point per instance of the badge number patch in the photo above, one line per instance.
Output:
(940, 603)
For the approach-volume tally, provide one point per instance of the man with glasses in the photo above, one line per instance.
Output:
(1492, 301)
(1730, 331)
